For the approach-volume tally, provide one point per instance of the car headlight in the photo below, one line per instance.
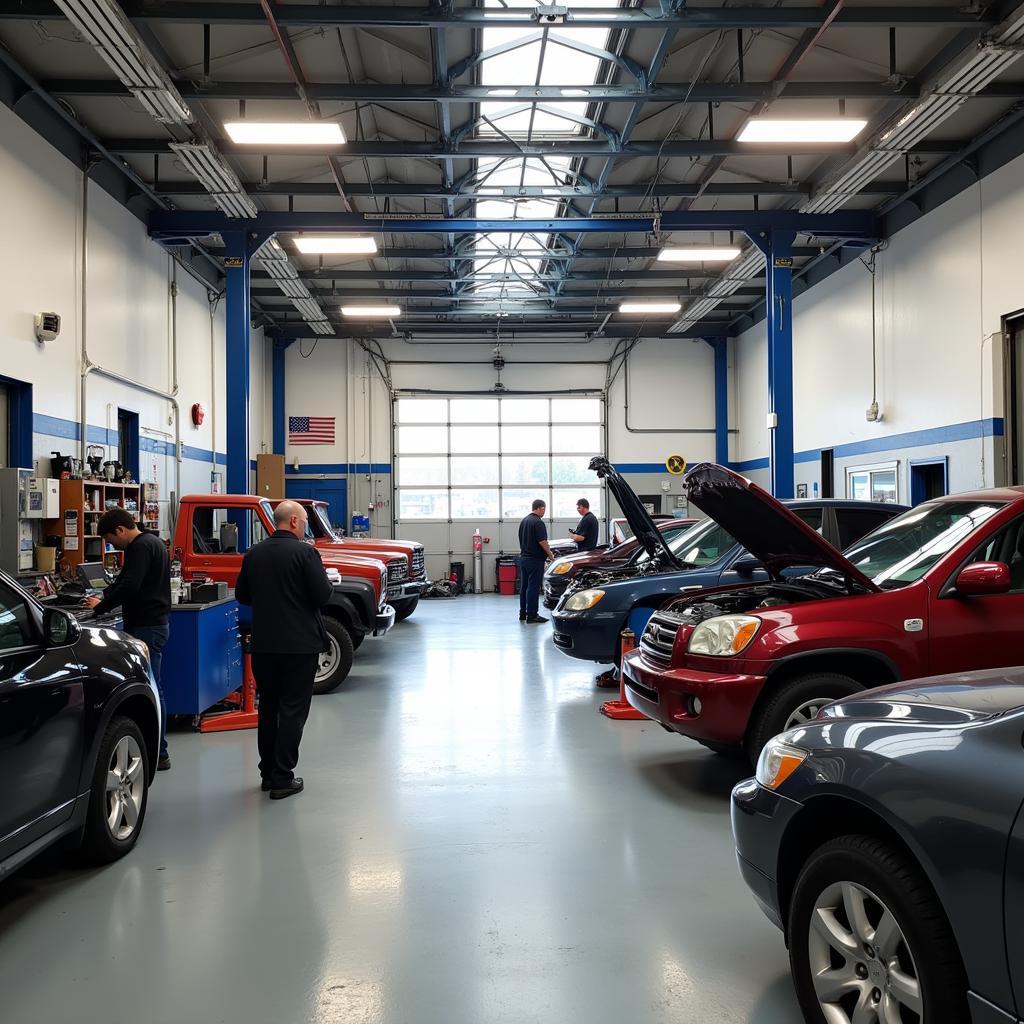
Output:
(582, 601)
(723, 635)
(139, 645)
(777, 762)
(560, 568)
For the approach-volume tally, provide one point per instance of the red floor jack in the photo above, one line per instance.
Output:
(621, 710)
(244, 715)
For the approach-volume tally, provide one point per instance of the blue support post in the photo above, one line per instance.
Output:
(236, 271)
(720, 345)
(278, 395)
(779, 298)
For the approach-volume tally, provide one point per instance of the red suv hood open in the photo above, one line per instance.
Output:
(764, 526)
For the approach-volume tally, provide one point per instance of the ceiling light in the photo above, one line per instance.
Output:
(214, 174)
(336, 244)
(650, 307)
(372, 312)
(834, 129)
(699, 254)
(285, 133)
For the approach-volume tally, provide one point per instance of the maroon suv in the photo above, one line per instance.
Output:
(938, 589)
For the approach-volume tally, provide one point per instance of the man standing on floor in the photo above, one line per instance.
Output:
(284, 581)
(143, 590)
(587, 529)
(534, 550)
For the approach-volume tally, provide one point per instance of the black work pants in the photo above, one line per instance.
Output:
(285, 686)
(531, 573)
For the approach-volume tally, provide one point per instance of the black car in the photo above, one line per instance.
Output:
(886, 839)
(79, 732)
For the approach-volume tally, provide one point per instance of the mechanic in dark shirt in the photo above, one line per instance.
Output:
(143, 591)
(534, 550)
(587, 529)
(284, 581)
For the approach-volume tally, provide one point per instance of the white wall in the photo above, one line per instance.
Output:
(943, 285)
(127, 327)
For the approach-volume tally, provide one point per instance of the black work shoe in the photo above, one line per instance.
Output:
(293, 787)
(266, 786)
(164, 764)
(522, 616)
(534, 619)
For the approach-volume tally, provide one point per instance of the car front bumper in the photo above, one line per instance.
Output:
(384, 621)
(760, 818)
(587, 637)
(552, 592)
(407, 591)
(668, 696)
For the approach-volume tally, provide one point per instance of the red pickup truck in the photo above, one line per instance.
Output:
(406, 582)
(210, 540)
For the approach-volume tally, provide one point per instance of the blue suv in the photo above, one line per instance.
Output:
(598, 605)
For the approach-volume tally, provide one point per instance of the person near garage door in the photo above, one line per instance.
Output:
(143, 592)
(587, 529)
(534, 551)
(284, 581)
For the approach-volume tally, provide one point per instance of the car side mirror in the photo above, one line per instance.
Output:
(981, 578)
(747, 565)
(60, 628)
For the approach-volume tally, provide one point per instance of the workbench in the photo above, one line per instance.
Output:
(203, 657)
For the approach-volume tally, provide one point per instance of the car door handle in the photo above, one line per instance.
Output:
(696, 586)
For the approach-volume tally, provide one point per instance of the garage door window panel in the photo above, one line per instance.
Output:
(516, 502)
(525, 410)
(527, 440)
(525, 469)
(474, 410)
(567, 469)
(572, 439)
(575, 410)
(421, 471)
(468, 470)
(480, 440)
(475, 503)
(422, 410)
(565, 501)
(422, 504)
(423, 440)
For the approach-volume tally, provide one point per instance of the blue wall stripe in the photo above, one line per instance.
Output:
(968, 431)
(340, 468)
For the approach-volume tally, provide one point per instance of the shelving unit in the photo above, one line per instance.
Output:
(88, 500)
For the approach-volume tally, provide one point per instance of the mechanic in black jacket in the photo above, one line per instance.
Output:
(284, 581)
(143, 591)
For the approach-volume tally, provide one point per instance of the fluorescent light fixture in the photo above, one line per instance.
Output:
(771, 129)
(336, 244)
(650, 307)
(214, 174)
(321, 327)
(285, 133)
(699, 254)
(372, 312)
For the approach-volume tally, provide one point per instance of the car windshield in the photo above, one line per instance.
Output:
(703, 543)
(318, 521)
(905, 548)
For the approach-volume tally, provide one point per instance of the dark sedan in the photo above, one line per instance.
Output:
(885, 838)
(79, 732)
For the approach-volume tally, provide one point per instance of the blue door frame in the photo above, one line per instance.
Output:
(917, 482)
(334, 492)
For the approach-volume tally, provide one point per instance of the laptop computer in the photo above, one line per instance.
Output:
(93, 577)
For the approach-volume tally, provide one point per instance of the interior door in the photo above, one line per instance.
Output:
(981, 632)
(41, 727)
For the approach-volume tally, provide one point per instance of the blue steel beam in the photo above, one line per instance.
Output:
(170, 225)
(278, 370)
(778, 249)
(721, 350)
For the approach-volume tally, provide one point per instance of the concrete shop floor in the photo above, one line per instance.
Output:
(475, 845)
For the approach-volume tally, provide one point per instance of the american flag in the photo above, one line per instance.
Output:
(311, 430)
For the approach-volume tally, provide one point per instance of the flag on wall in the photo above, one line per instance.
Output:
(311, 430)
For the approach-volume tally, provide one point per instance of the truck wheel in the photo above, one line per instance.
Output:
(795, 702)
(119, 794)
(336, 661)
(403, 609)
(357, 640)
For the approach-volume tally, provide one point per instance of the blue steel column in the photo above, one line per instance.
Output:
(236, 272)
(278, 395)
(720, 345)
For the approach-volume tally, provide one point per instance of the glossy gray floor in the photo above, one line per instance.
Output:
(476, 845)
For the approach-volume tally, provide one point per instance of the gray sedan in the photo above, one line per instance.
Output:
(885, 839)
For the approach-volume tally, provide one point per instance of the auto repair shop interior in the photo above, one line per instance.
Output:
(744, 276)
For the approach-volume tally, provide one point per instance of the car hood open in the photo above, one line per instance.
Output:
(764, 526)
(647, 533)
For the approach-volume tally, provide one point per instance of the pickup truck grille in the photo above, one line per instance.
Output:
(398, 571)
(419, 564)
(659, 638)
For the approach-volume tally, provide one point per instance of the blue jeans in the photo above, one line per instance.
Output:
(531, 573)
(156, 638)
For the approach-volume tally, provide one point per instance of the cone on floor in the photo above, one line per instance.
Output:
(621, 710)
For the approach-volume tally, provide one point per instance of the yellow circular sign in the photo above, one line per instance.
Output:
(676, 465)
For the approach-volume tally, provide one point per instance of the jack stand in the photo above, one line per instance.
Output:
(245, 716)
(621, 710)
(607, 680)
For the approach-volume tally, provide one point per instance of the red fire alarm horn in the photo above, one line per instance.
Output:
(198, 414)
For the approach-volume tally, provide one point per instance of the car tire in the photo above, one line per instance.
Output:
(731, 750)
(119, 793)
(357, 640)
(336, 662)
(405, 608)
(794, 701)
(902, 946)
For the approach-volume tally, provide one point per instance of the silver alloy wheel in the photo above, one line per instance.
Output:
(126, 788)
(862, 969)
(806, 712)
(328, 660)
